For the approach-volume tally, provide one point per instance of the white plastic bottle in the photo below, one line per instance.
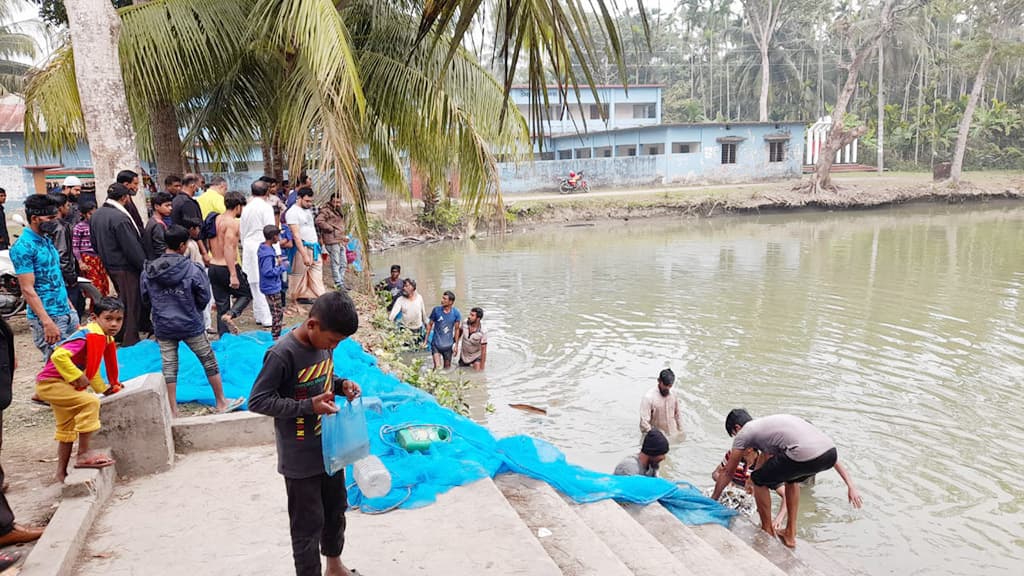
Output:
(372, 476)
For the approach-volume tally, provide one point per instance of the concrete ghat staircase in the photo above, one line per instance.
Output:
(608, 539)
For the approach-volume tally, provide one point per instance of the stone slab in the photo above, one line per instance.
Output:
(57, 551)
(225, 512)
(137, 427)
(640, 551)
(569, 542)
(729, 546)
(219, 431)
(806, 560)
(681, 541)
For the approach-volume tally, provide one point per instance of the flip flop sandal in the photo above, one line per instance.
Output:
(233, 405)
(39, 402)
(97, 463)
(8, 560)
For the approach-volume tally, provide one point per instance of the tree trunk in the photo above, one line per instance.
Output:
(965, 123)
(881, 107)
(765, 83)
(839, 136)
(95, 28)
(268, 157)
(277, 167)
(166, 139)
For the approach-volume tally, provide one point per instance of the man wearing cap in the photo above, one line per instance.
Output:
(659, 407)
(118, 241)
(73, 190)
(652, 453)
(37, 265)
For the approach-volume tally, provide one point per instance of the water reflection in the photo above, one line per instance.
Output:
(899, 332)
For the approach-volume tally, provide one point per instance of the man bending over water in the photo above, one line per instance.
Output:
(792, 450)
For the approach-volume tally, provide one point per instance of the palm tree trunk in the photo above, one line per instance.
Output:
(765, 83)
(839, 136)
(268, 159)
(166, 139)
(965, 123)
(95, 28)
(278, 164)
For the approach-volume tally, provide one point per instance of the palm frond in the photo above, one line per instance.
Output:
(53, 110)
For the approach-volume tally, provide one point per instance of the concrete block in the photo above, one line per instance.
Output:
(684, 545)
(57, 551)
(217, 431)
(636, 547)
(137, 427)
(571, 544)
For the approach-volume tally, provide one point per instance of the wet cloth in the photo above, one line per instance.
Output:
(661, 412)
(472, 344)
(631, 466)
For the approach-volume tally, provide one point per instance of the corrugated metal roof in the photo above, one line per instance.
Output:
(12, 114)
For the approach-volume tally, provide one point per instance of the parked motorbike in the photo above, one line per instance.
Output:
(565, 186)
(12, 302)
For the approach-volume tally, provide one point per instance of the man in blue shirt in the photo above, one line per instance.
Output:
(37, 264)
(445, 326)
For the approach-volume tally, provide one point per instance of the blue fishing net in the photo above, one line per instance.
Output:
(418, 477)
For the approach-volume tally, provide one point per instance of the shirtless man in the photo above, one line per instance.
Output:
(226, 276)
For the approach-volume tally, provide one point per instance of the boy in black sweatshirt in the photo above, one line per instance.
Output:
(296, 386)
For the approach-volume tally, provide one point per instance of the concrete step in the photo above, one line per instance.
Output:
(730, 546)
(682, 542)
(806, 560)
(640, 551)
(571, 544)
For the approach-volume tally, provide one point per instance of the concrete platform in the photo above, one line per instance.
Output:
(224, 512)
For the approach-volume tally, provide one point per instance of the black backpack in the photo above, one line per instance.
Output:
(209, 228)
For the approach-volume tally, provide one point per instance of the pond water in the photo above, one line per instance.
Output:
(899, 332)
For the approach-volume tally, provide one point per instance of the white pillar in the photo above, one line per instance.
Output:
(854, 161)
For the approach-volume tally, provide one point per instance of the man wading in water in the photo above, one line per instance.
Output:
(792, 450)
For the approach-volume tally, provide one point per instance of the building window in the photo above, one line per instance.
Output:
(596, 112)
(728, 153)
(565, 154)
(645, 111)
(685, 147)
(241, 166)
(582, 153)
(776, 151)
(654, 149)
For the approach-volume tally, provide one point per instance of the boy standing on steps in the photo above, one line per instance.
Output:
(74, 367)
(177, 290)
(296, 386)
(271, 271)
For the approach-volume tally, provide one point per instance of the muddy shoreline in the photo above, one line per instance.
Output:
(523, 215)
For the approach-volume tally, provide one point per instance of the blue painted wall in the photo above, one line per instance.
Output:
(16, 179)
(653, 155)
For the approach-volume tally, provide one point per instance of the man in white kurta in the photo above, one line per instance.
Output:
(660, 408)
(257, 214)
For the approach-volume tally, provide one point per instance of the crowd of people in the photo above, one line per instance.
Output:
(777, 453)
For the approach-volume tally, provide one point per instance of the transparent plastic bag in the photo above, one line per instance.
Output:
(344, 435)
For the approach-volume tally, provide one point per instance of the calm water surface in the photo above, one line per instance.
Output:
(898, 332)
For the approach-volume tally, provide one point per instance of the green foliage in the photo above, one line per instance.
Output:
(445, 216)
(396, 343)
(53, 12)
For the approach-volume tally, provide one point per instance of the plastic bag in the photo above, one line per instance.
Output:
(344, 435)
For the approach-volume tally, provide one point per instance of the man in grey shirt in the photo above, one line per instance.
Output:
(652, 453)
(792, 450)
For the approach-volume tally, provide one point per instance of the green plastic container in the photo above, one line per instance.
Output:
(419, 438)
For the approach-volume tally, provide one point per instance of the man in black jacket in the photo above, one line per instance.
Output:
(118, 241)
(130, 180)
(153, 236)
(184, 205)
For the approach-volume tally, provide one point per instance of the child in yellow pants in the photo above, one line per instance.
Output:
(65, 381)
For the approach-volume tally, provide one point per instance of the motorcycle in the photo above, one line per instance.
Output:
(567, 187)
(12, 301)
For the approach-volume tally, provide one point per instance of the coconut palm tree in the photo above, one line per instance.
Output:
(16, 47)
(332, 85)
